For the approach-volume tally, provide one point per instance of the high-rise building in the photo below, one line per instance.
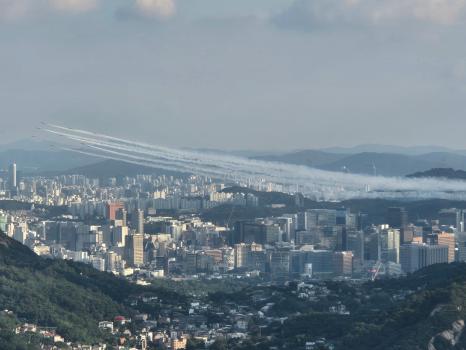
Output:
(301, 223)
(135, 249)
(241, 254)
(372, 246)
(390, 245)
(461, 240)
(121, 214)
(112, 209)
(279, 264)
(343, 263)
(356, 245)
(416, 256)
(397, 217)
(447, 239)
(321, 217)
(12, 177)
(251, 232)
(112, 260)
(138, 221)
(119, 235)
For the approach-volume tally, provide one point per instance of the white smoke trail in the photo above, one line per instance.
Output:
(315, 183)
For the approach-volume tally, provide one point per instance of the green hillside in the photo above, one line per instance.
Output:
(70, 296)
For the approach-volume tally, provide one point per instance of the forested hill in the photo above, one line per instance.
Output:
(72, 297)
(446, 173)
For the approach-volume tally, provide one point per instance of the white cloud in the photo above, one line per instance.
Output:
(157, 8)
(437, 11)
(311, 13)
(13, 9)
(18, 9)
(74, 5)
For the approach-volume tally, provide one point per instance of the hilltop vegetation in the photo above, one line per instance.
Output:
(428, 307)
(72, 297)
(375, 209)
(445, 173)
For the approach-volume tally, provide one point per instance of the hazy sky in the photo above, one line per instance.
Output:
(237, 74)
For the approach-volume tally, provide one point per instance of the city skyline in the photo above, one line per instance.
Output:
(218, 74)
(232, 175)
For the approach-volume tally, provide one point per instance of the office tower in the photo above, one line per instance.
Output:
(251, 232)
(137, 221)
(241, 254)
(342, 215)
(407, 234)
(461, 240)
(112, 261)
(321, 217)
(447, 239)
(119, 236)
(190, 263)
(362, 221)
(301, 224)
(272, 234)
(121, 214)
(21, 232)
(390, 245)
(294, 224)
(257, 260)
(343, 263)
(417, 256)
(297, 262)
(321, 260)
(67, 234)
(306, 237)
(397, 217)
(286, 226)
(355, 241)
(341, 238)
(12, 177)
(112, 209)
(329, 236)
(279, 264)
(372, 246)
(135, 249)
(98, 263)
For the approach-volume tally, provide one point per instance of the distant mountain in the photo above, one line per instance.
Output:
(36, 161)
(51, 160)
(115, 168)
(446, 173)
(387, 164)
(406, 150)
(311, 158)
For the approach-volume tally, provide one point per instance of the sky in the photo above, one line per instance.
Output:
(242, 74)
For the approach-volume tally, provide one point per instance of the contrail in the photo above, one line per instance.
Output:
(317, 184)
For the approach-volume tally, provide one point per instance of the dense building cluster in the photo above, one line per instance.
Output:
(116, 225)
(147, 228)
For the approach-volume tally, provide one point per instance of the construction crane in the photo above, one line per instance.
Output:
(375, 271)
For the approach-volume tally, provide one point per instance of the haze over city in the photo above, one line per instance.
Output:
(232, 175)
(265, 74)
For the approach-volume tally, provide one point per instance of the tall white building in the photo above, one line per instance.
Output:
(12, 175)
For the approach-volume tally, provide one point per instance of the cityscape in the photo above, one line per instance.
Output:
(232, 175)
(151, 229)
